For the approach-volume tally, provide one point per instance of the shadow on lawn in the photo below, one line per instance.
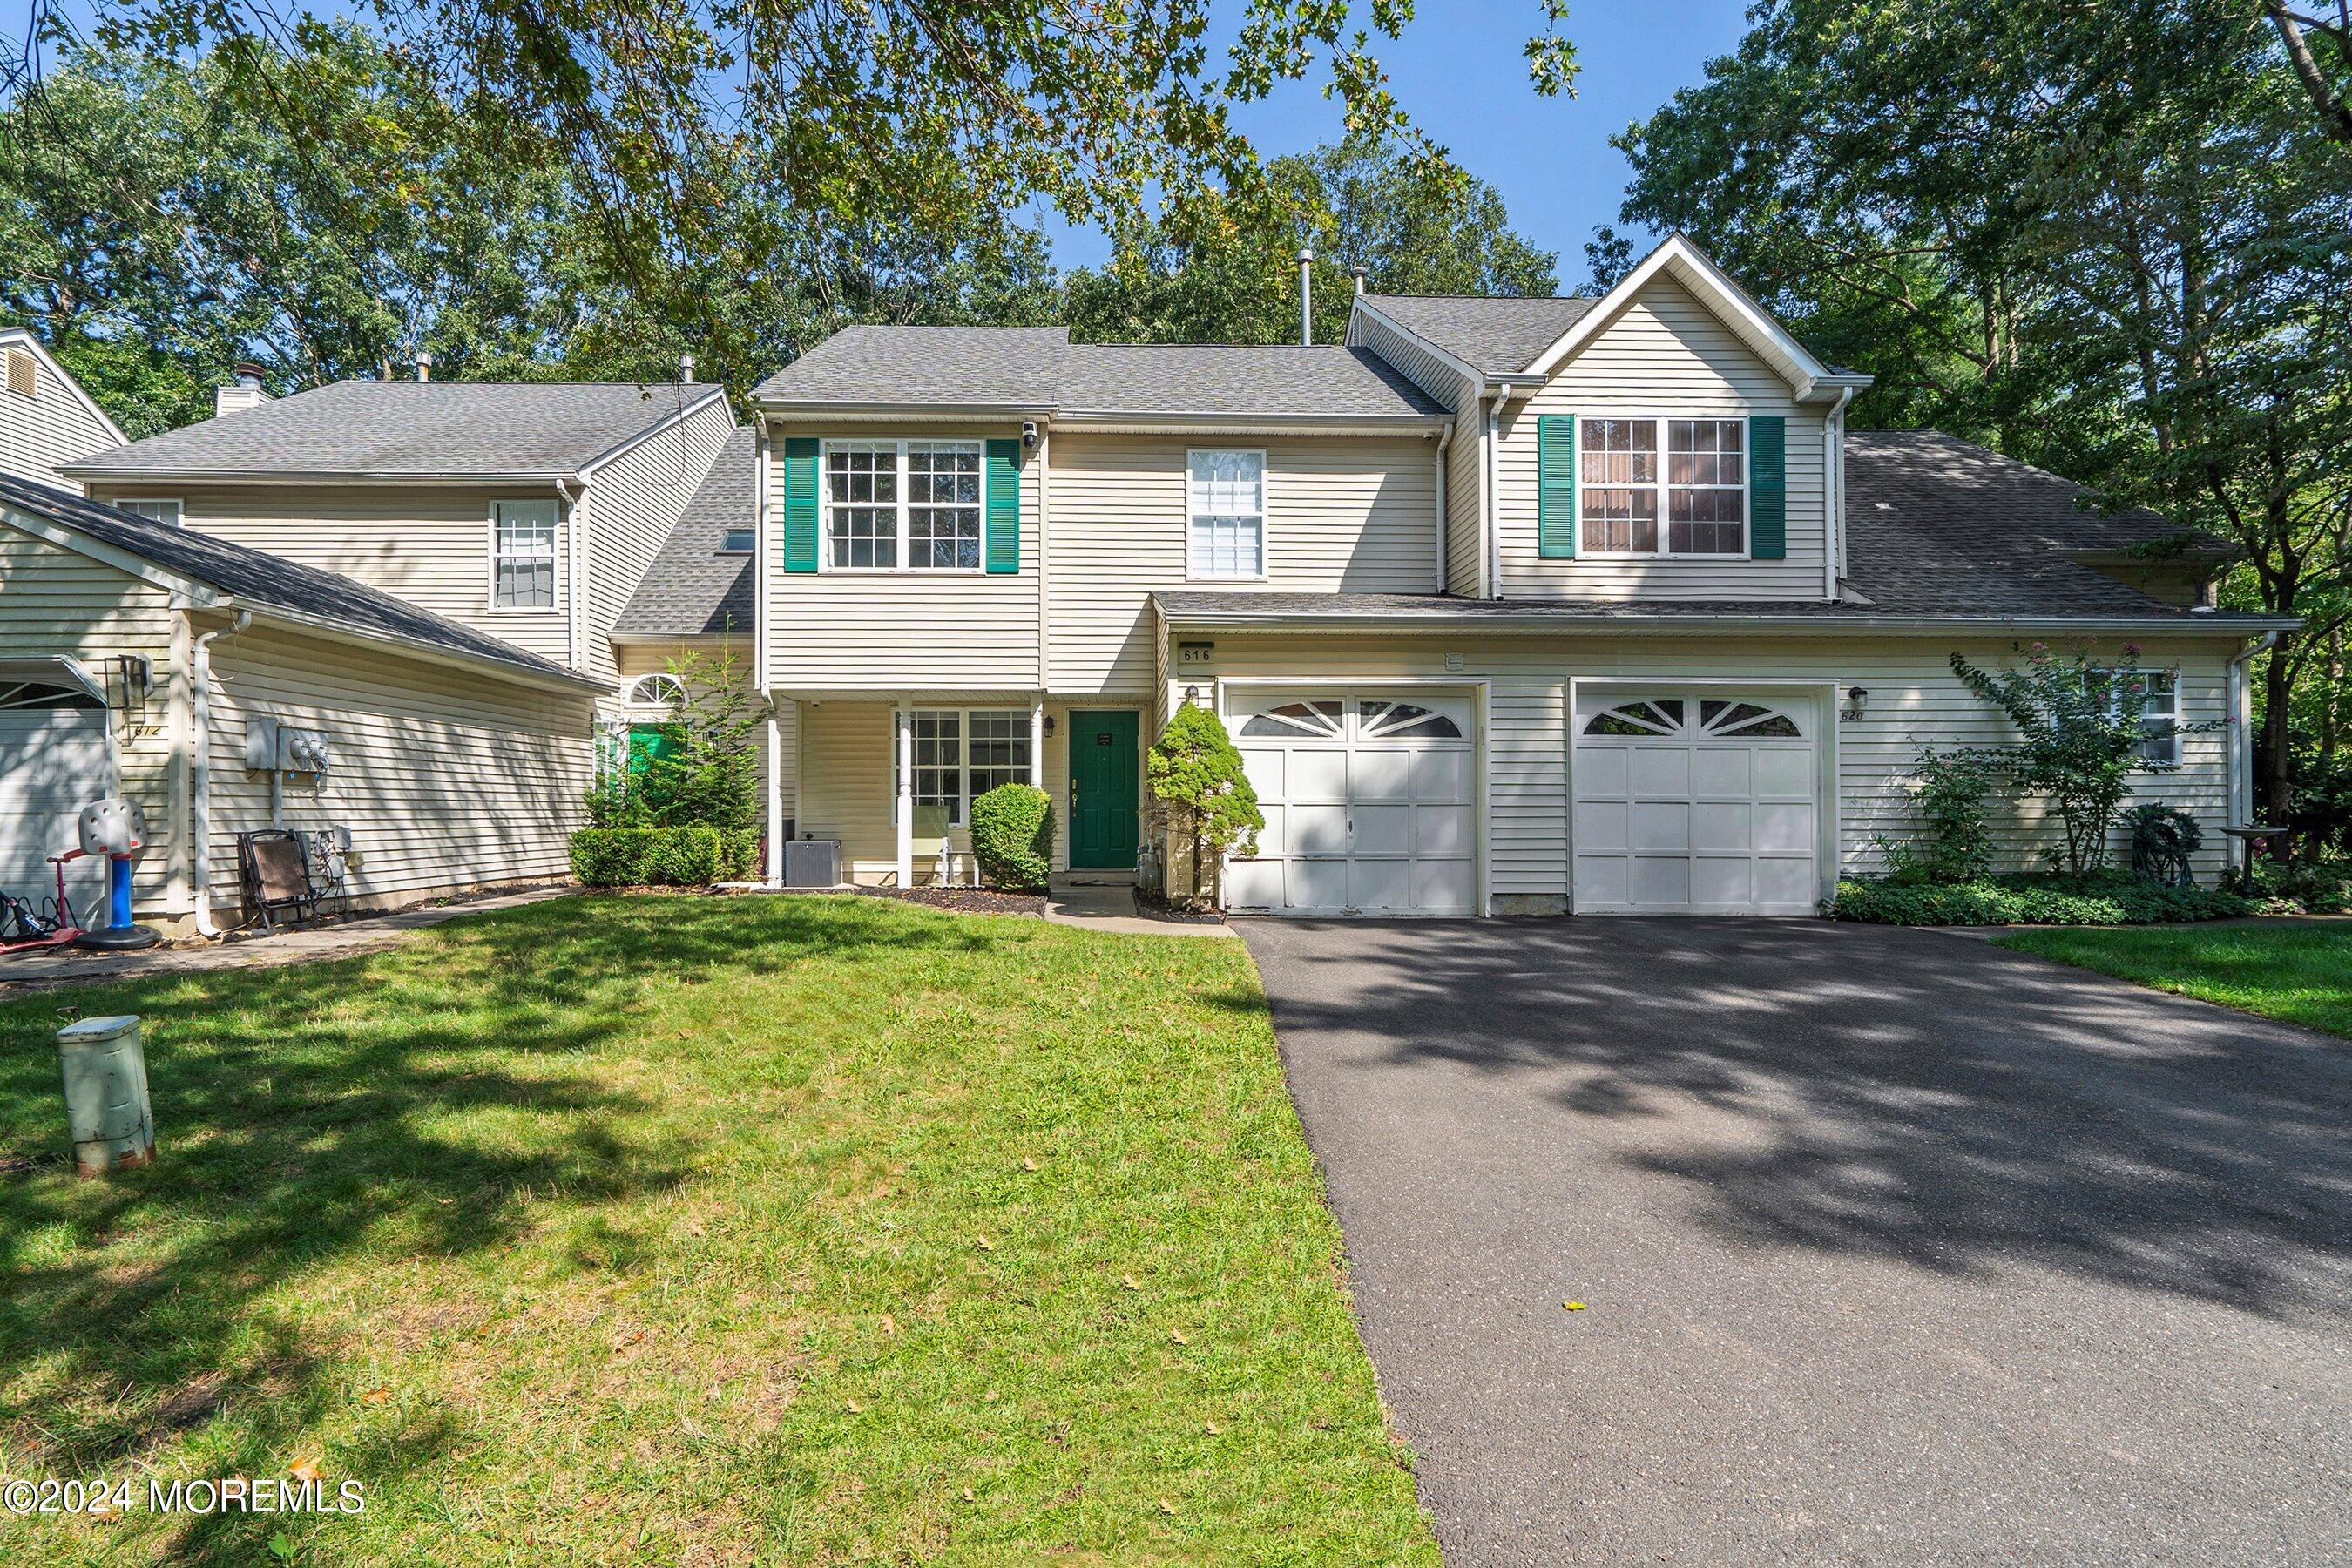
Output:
(1883, 1091)
(312, 1113)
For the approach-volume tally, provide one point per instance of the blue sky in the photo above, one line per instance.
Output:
(1460, 73)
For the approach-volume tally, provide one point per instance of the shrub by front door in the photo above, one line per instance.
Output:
(1105, 791)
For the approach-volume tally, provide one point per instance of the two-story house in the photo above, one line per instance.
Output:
(424, 577)
(1512, 605)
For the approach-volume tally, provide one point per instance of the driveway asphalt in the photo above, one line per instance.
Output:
(1895, 1247)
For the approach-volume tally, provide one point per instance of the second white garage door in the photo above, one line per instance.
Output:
(1692, 805)
(1369, 805)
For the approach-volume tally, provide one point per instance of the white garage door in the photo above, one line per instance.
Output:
(54, 759)
(1689, 804)
(1367, 802)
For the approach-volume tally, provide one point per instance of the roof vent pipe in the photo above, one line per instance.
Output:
(1357, 274)
(685, 369)
(1306, 294)
(424, 365)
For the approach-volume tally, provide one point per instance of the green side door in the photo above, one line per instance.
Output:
(1106, 790)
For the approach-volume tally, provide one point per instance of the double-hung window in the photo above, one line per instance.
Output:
(959, 755)
(1700, 490)
(902, 505)
(1225, 511)
(2154, 695)
(522, 555)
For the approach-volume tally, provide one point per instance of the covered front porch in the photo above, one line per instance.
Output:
(892, 776)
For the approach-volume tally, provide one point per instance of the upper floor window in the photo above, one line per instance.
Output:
(1700, 490)
(1225, 531)
(522, 555)
(910, 504)
(163, 511)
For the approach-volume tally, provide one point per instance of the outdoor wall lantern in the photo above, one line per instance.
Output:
(1856, 700)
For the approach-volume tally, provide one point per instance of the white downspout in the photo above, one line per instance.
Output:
(2239, 752)
(1445, 440)
(1490, 477)
(200, 772)
(575, 534)
(1833, 541)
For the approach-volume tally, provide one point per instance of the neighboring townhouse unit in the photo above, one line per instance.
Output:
(138, 659)
(45, 417)
(1512, 605)
(528, 510)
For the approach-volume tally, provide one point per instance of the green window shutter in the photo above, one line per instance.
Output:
(800, 503)
(1556, 485)
(1004, 506)
(1768, 488)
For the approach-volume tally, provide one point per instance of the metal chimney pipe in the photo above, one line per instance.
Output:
(1306, 294)
(1358, 273)
(424, 365)
(685, 369)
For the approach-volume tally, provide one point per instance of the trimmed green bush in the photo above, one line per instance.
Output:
(663, 856)
(2034, 900)
(1012, 837)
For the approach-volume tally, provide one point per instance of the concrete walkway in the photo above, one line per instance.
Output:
(72, 966)
(1113, 909)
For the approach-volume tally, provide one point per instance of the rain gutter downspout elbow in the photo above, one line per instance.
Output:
(200, 780)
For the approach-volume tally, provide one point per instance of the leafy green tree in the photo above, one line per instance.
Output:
(2081, 730)
(2110, 240)
(1199, 783)
(1223, 267)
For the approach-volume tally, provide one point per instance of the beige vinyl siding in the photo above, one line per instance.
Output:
(50, 427)
(634, 659)
(1665, 355)
(428, 544)
(632, 503)
(447, 779)
(1459, 393)
(55, 601)
(1343, 514)
(872, 631)
(1914, 701)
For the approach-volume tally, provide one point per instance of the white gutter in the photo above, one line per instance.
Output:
(1859, 623)
(200, 780)
(2239, 750)
(304, 477)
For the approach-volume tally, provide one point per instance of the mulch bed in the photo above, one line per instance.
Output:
(964, 901)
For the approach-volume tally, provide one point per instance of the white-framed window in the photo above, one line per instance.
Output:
(893, 506)
(522, 554)
(961, 753)
(1700, 491)
(157, 509)
(1225, 514)
(659, 693)
(2156, 695)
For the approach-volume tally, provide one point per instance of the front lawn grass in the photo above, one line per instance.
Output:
(2294, 972)
(694, 1230)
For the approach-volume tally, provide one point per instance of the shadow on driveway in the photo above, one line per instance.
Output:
(1896, 1247)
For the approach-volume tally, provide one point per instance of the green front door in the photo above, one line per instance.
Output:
(1105, 791)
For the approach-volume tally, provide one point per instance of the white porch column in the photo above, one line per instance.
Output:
(775, 868)
(1038, 743)
(906, 744)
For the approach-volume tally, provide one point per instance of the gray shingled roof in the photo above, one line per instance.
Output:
(261, 582)
(408, 429)
(1937, 528)
(1493, 337)
(1936, 525)
(1039, 368)
(692, 589)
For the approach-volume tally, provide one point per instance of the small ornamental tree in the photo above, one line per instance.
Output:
(1196, 776)
(2082, 726)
